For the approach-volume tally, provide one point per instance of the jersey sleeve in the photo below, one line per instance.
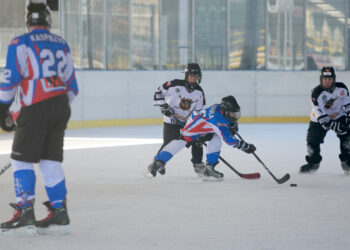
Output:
(159, 95)
(228, 139)
(346, 97)
(11, 75)
(319, 110)
(69, 78)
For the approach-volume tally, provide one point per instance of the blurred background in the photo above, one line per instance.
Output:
(219, 34)
(253, 41)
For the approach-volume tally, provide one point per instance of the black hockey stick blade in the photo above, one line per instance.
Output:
(283, 179)
(279, 181)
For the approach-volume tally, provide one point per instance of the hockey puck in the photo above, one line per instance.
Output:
(293, 185)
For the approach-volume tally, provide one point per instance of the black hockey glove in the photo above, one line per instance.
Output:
(167, 110)
(246, 147)
(6, 122)
(233, 128)
(338, 126)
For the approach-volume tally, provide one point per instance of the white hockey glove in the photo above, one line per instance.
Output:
(246, 147)
(167, 110)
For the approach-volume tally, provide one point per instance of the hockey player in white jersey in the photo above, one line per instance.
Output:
(219, 121)
(330, 111)
(177, 100)
(40, 65)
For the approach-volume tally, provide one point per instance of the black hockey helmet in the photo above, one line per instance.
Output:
(192, 69)
(230, 104)
(38, 14)
(328, 72)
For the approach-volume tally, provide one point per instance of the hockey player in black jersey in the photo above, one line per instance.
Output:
(177, 100)
(330, 111)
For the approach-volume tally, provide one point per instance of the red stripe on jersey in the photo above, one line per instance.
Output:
(30, 69)
(200, 128)
(37, 50)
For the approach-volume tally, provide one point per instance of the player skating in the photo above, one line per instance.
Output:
(330, 111)
(40, 64)
(220, 122)
(177, 100)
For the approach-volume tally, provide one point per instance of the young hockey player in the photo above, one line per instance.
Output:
(177, 100)
(219, 121)
(40, 64)
(330, 111)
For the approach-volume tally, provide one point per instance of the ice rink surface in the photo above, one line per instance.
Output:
(113, 206)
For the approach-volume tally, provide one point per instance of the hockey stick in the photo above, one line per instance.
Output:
(7, 166)
(244, 176)
(279, 181)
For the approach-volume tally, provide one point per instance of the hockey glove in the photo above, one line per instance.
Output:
(338, 126)
(167, 110)
(246, 147)
(233, 128)
(6, 122)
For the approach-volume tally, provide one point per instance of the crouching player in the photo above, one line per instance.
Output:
(219, 122)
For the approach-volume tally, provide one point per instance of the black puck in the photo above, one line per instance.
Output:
(293, 185)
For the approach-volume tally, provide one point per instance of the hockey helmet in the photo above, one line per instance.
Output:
(328, 72)
(192, 69)
(230, 104)
(38, 14)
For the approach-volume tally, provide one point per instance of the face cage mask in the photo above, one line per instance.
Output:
(232, 119)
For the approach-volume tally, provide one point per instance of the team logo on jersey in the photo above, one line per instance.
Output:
(329, 103)
(185, 104)
(334, 116)
(342, 93)
(177, 90)
(14, 41)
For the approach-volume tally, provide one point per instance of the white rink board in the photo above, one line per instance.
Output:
(129, 94)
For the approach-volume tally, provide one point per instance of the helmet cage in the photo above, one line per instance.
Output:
(230, 109)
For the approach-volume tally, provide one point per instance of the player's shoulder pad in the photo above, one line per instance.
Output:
(17, 40)
(315, 93)
(199, 88)
(341, 85)
(173, 83)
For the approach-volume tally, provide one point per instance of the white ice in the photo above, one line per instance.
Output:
(112, 205)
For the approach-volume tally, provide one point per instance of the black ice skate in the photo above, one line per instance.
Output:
(199, 168)
(309, 168)
(22, 222)
(210, 174)
(154, 167)
(346, 166)
(56, 222)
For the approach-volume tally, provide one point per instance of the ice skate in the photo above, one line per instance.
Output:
(56, 222)
(210, 174)
(153, 168)
(199, 168)
(346, 166)
(22, 222)
(309, 168)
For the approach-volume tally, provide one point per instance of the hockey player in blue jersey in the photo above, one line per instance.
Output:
(219, 121)
(39, 63)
